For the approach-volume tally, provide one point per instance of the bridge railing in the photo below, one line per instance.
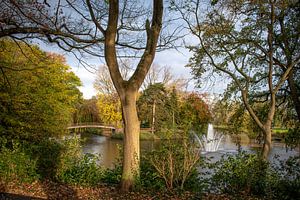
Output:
(91, 123)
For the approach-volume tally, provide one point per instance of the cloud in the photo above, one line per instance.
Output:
(173, 58)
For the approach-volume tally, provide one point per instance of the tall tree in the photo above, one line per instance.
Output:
(152, 106)
(128, 90)
(238, 39)
(38, 92)
(109, 29)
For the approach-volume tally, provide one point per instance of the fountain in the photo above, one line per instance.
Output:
(211, 141)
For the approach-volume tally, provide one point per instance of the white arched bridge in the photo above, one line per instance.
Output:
(93, 125)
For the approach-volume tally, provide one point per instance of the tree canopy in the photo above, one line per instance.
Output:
(38, 92)
(250, 43)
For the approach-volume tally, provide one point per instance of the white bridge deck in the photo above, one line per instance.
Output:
(74, 126)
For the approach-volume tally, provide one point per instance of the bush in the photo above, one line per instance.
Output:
(149, 177)
(292, 138)
(84, 171)
(15, 164)
(144, 135)
(173, 166)
(94, 131)
(48, 159)
(114, 175)
(75, 168)
(243, 173)
(47, 154)
(287, 184)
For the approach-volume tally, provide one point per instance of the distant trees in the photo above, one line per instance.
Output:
(195, 112)
(154, 96)
(152, 108)
(86, 111)
(110, 111)
(38, 92)
(167, 109)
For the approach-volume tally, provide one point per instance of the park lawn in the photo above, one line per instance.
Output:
(144, 135)
(280, 130)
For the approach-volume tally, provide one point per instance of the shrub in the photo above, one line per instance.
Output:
(114, 175)
(287, 184)
(149, 177)
(49, 159)
(84, 171)
(94, 131)
(15, 164)
(47, 154)
(76, 168)
(246, 174)
(292, 138)
(175, 163)
(243, 173)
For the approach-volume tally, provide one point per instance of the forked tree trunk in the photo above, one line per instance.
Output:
(131, 154)
(266, 126)
(128, 89)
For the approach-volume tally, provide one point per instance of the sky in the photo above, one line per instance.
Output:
(173, 58)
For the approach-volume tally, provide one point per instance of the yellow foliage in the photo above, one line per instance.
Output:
(110, 111)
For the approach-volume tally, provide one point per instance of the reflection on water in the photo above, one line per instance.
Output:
(109, 149)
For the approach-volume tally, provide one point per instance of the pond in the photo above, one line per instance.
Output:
(109, 149)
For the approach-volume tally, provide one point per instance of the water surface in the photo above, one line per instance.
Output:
(109, 149)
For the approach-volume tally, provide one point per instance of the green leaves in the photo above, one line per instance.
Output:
(241, 173)
(38, 92)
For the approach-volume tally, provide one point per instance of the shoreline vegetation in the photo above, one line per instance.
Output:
(146, 134)
(30, 172)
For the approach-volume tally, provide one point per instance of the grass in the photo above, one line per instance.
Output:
(144, 135)
(279, 130)
(222, 127)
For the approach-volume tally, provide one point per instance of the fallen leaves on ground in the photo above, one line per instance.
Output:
(53, 190)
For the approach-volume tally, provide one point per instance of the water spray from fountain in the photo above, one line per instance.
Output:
(211, 141)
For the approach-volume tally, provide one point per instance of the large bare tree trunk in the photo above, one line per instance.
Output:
(128, 89)
(131, 149)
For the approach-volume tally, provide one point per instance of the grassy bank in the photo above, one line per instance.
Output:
(144, 135)
(95, 131)
(276, 130)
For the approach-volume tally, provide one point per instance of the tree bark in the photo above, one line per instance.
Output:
(127, 90)
(268, 124)
(131, 156)
(267, 140)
